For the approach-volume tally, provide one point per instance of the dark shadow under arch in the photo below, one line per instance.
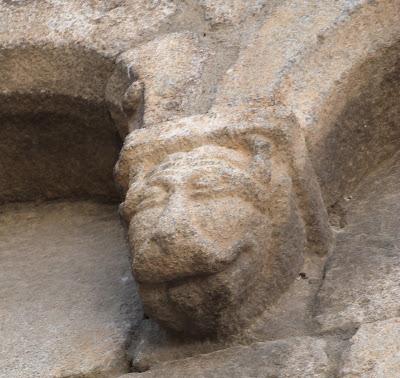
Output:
(366, 131)
(65, 279)
(57, 136)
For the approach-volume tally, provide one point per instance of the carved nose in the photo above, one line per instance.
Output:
(176, 249)
(173, 220)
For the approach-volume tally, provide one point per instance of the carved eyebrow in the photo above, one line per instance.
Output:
(217, 153)
(217, 168)
(239, 173)
(240, 184)
(222, 160)
(235, 175)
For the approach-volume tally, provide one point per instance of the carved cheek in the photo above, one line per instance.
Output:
(225, 220)
(142, 225)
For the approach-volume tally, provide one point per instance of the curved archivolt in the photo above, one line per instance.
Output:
(58, 138)
(64, 260)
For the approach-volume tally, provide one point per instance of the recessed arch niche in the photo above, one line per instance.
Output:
(357, 161)
(65, 278)
(361, 125)
(57, 136)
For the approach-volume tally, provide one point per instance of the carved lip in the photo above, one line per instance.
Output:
(219, 267)
(176, 281)
(210, 268)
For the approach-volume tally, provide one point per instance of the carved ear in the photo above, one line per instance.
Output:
(261, 149)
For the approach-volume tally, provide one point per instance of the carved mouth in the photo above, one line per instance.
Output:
(168, 272)
(241, 266)
(194, 303)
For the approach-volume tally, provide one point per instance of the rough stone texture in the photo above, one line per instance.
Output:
(176, 70)
(334, 66)
(153, 344)
(108, 25)
(222, 12)
(284, 39)
(297, 357)
(68, 301)
(66, 149)
(345, 97)
(375, 351)
(201, 271)
(362, 278)
(328, 67)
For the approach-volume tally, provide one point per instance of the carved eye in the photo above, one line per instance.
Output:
(150, 196)
(207, 185)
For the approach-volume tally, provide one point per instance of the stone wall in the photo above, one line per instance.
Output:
(258, 170)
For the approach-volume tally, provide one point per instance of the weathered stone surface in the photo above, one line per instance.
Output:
(55, 146)
(153, 344)
(375, 351)
(202, 271)
(176, 70)
(343, 97)
(328, 67)
(111, 26)
(68, 301)
(286, 36)
(297, 357)
(362, 282)
(233, 12)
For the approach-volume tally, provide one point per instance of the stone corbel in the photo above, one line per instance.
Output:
(221, 212)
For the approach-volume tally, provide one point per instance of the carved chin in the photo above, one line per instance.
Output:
(194, 305)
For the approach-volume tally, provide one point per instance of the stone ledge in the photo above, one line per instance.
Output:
(299, 357)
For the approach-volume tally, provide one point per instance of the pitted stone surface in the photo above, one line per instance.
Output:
(310, 61)
(219, 12)
(375, 351)
(200, 270)
(301, 357)
(68, 301)
(362, 281)
(110, 25)
(177, 70)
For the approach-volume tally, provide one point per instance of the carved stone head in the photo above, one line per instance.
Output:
(214, 224)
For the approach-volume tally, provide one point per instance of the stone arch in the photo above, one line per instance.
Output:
(343, 92)
(354, 147)
(323, 57)
(334, 67)
(62, 122)
(365, 130)
(66, 282)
